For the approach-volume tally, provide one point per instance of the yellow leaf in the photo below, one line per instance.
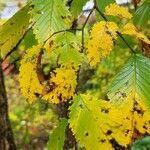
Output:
(119, 11)
(101, 41)
(130, 29)
(62, 85)
(28, 79)
(135, 119)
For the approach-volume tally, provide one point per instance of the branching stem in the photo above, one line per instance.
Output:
(61, 31)
(74, 29)
(83, 27)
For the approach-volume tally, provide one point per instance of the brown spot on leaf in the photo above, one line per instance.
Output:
(109, 132)
(103, 140)
(104, 110)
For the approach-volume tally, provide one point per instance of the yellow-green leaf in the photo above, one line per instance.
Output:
(90, 122)
(13, 30)
(49, 16)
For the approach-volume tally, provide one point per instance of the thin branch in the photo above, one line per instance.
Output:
(123, 39)
(61, 31)
(119, 34)
(83, 27)
(101, 14)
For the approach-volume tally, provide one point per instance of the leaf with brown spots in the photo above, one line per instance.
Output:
(136, 73)
(92, 123)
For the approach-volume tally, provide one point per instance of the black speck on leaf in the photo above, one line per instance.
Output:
(87, 134)
(32, 6)
(81, 106)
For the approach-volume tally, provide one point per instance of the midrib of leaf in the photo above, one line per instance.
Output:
(135, 77)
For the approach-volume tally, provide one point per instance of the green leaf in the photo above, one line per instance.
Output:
(141, 144)
(86, 116)
(57, 138)
(76, 7)
(133, 80)
(29, 40)
(103, 3)
(49, 16)
(68, 48)
(13, 30)
(142, 15)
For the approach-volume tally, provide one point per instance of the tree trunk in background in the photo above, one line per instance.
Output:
(63, 112)
(6, 134)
